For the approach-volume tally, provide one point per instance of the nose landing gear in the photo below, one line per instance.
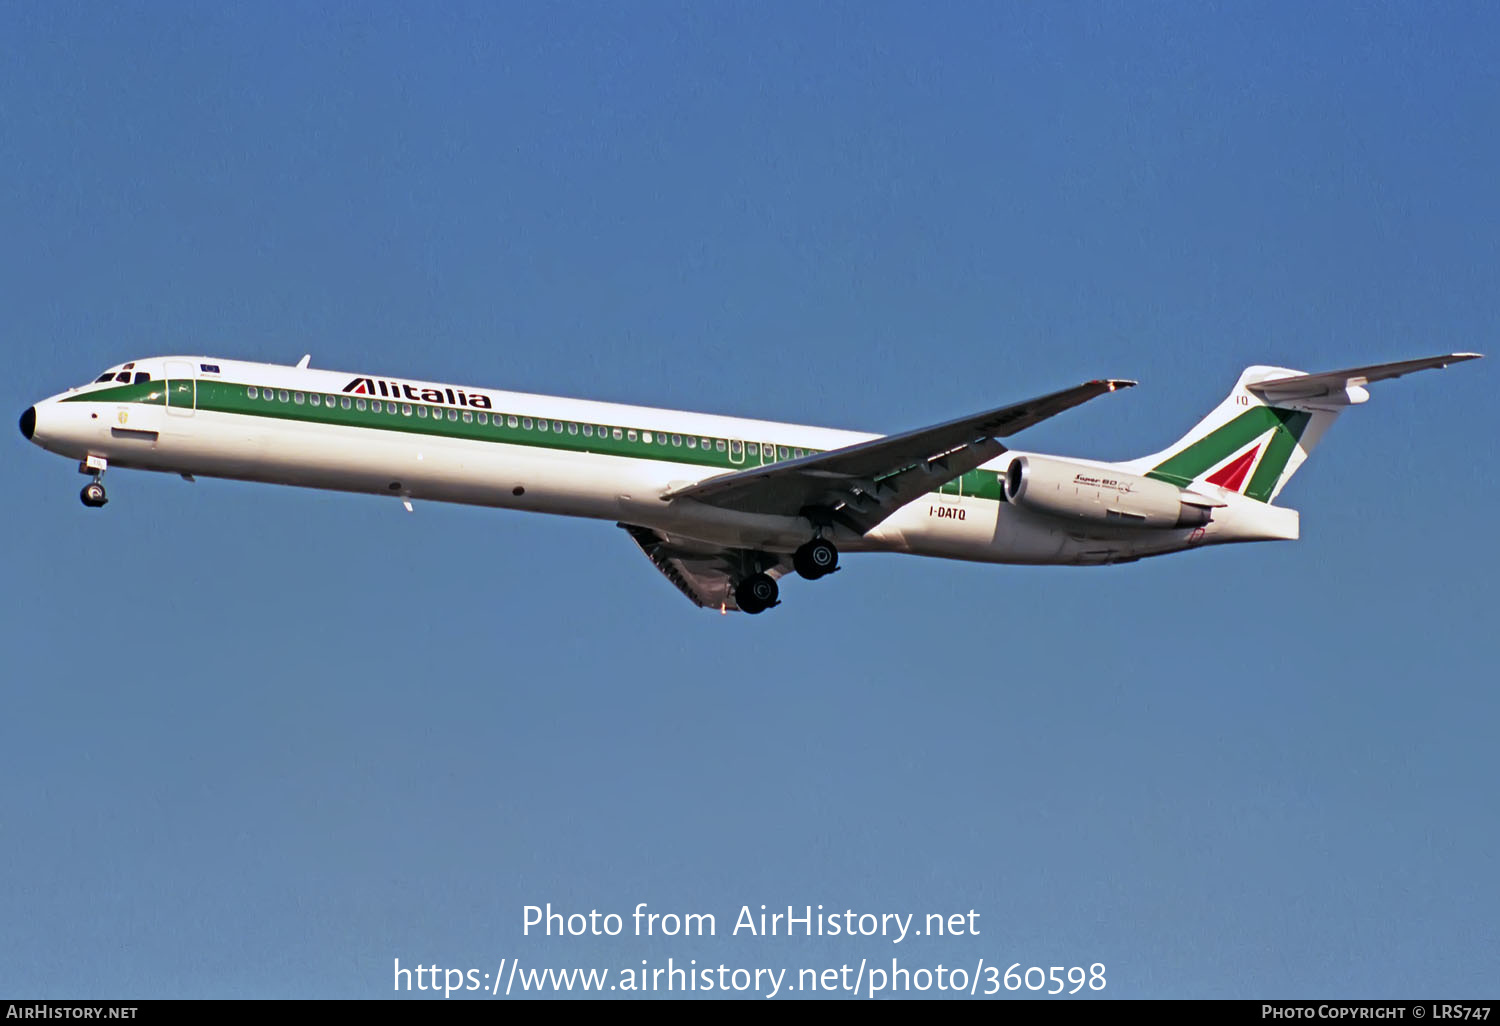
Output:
(93, 493)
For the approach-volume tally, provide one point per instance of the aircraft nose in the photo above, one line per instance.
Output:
(28, 422)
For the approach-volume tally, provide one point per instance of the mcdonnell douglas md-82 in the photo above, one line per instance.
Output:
(721, 505)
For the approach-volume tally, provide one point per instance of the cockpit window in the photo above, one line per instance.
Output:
(104, 377)
(123, 376)
(141, 376)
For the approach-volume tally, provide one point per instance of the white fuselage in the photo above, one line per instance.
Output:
(511, 450)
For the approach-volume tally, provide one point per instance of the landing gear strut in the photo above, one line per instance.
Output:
(818, 558)
(756, 593)
(93, 493)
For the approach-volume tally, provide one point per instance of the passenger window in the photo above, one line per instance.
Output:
(422, 411)
(511, 421)
(588, 431)
(798, 453)
(557, 426)
(781, 453)
(406, 409)
(631, 434)
(315, 399)
(526, 423)
(676, 439)
(618, 434)
(468, 417)
(692, 443)
(736, 447)
(484, 418)
(344, 402)
(452, 414)
(253, 392)
(359, 404)
(299, 398)
(541, 425)
(572, 428)
(719, 444)
(282, 395)
(330, 400)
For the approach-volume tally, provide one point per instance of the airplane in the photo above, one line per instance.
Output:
(724, 507)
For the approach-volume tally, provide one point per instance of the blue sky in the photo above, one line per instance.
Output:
(261, 741)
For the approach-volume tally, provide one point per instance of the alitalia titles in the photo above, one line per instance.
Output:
(401, 390)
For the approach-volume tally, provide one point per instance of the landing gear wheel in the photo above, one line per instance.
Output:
(756, 594)
(93, 495)
(818, 558)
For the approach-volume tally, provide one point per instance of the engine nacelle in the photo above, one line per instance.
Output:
(1073, 491)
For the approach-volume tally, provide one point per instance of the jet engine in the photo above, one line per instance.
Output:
(1073, 491)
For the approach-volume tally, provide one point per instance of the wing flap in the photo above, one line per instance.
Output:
(704, 573)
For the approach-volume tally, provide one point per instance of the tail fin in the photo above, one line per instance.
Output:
(1259, 436)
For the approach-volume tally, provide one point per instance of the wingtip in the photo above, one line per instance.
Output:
(1114, 384)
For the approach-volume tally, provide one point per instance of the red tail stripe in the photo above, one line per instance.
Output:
(1232, 475)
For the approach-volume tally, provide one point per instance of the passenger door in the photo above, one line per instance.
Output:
(182, 388)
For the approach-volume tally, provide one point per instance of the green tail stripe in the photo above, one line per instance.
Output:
(1185, 467)
(1277, 453)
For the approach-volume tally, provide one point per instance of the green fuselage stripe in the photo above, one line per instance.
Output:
(234, 398)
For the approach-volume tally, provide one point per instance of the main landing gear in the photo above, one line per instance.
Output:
(756, 593)
(818, 558)
(759, 592)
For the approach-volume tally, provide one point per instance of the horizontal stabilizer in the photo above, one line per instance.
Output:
(1345, 387)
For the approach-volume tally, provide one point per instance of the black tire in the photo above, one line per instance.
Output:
(818, 558)
(756, 594)
(93, 495)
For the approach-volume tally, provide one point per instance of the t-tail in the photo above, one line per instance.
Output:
(1259, 436)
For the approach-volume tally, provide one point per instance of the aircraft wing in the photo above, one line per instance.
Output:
(1313, 386)
(703, 572)
(862, 484)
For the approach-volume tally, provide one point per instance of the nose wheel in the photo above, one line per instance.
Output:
(756, 593)
(818, 558)
(93, 495)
